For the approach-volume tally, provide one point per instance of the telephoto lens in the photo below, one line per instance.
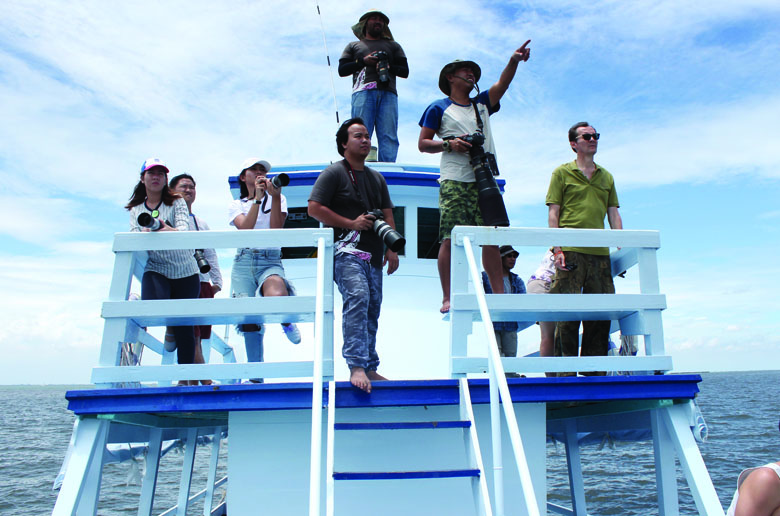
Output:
(489, 198)
(200, 258)
(394, 240)
(145, 220)
(279, 180)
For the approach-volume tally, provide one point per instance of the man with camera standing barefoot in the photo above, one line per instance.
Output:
(451, 119)
(374, 61)
(341, 198)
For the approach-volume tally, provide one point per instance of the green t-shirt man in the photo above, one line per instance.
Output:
(583, 202)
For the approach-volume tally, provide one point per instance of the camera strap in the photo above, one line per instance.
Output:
(262, 205)
(480, 125)
(154, 211)
(353, 180)
(195, 220)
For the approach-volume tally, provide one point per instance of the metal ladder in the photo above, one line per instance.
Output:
(465, 423)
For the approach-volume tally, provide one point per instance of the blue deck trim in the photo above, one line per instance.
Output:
(402, 475)
(290, 396)
(400, 425)
(419, 177)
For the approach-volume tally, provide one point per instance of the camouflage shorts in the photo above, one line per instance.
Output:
(457, 206)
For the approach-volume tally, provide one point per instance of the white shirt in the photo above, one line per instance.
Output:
(242, 206)
(176, 263)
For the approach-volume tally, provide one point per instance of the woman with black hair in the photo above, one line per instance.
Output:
(171, 274)
(259, 272)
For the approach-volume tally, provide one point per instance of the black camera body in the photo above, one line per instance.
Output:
(391, 238)
(491, 202)
(200, 258)
(383, 66)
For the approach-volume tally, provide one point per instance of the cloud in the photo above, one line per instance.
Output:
(682, 94)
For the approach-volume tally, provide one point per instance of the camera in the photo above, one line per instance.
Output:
(383, 66)
(491, 202)
(392, 238)
(200, 258)
(145, 220)
(279, 180)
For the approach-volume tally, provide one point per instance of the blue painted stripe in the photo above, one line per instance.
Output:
(403, 425)
(400, 475)
(284, 396)
(427, 179)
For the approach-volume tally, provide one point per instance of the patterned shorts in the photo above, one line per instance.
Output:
(458, 206)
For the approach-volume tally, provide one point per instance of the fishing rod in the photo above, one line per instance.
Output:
(330, 68)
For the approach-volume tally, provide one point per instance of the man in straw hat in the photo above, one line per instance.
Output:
(374, 61)
(451, 118)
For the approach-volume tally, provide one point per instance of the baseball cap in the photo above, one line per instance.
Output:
(250, 162)
(444, 84)
(153, 162)
(506, 250)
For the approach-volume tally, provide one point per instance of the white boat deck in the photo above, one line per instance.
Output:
(290, 451)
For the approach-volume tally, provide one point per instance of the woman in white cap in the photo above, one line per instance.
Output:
(259, 272)
(169, 274)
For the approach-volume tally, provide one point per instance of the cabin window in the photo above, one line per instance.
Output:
(299, 218)
(427, 233)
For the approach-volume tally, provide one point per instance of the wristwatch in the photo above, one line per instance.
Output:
(446, 147)
(258, 201)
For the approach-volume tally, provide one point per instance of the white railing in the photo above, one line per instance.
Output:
(498, 386)
(636, 314)
(125, 319)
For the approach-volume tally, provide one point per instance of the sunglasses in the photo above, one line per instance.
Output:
(588, 136)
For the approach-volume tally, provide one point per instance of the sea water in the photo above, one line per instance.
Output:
(741, 409)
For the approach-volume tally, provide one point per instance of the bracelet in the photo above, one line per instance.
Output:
(258, 202)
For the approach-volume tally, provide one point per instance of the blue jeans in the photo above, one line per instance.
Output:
(251, 267)
(360, 285)
(379, 108)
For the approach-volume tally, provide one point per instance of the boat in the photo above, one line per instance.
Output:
(441, 437)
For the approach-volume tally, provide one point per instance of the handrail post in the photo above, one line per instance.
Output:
(498, 378)
(316, 383)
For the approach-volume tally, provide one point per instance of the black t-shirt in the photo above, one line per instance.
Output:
(334, 189)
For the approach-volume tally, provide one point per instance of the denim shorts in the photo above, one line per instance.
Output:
(251, 267)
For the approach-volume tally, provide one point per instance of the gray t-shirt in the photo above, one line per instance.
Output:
(366, 78)
(334, 188)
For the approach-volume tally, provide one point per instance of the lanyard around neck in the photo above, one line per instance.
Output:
(156, 210)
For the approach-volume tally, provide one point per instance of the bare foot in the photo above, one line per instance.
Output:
(445, 306)
(358, 378)
(374, 376)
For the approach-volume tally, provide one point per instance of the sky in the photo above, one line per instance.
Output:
(684, 94)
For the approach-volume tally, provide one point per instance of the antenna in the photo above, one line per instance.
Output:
(330, 69)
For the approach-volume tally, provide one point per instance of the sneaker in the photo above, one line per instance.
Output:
(292, 332)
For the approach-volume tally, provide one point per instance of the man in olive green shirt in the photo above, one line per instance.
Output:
(580, 195)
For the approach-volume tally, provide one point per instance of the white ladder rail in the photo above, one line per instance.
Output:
(498, 385)
(479, 487)
(330, 487)
(315, 470)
